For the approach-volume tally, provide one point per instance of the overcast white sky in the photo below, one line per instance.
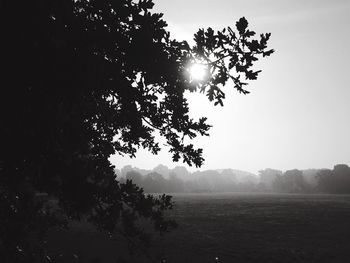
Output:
(298, 112)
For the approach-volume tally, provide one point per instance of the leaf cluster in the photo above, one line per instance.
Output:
(229, 55)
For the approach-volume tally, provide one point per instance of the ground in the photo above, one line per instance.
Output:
(236, 228)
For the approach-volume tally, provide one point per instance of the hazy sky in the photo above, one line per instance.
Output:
(298, 112)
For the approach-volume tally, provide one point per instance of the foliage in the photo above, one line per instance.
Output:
(336, 181)
(291, 181)
(87, 79)
(179, 180)
(268, 177)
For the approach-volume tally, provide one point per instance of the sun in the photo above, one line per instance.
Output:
(198, 71)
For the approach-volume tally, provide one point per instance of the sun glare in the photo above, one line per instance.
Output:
(198, 71)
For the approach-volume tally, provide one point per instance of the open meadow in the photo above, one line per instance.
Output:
(236, 228)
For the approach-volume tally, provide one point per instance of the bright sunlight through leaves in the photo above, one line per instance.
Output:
(198, 71)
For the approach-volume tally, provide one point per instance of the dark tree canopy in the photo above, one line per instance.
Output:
(87, 79)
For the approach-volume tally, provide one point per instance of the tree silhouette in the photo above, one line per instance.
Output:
(292, 181)
(336, 181)
(87, 79)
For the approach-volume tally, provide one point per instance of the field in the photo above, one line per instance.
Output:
(237, 228)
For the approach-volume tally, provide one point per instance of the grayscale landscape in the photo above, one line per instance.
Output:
(175, 131)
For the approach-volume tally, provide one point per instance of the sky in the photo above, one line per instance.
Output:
(298, 112)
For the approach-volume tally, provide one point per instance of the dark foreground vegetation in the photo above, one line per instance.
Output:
(284, 228)
(178, 180)
(83, 80)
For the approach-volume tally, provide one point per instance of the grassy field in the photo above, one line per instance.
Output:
(237, 228)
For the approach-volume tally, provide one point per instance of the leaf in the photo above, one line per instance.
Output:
(242, 25)
(249, 33)
(233, 35)
(268, 53)
(252, 75)
(146, 4)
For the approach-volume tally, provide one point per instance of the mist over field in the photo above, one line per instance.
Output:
(161, 179)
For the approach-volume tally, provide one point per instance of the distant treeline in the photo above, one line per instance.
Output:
(179, 180)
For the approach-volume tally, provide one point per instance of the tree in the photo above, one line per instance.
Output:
(154, 183)
(267, 178)
(86, 79)
(292, 181)
(135, 177)
(325, 180)
(336, 181)
(175, 184)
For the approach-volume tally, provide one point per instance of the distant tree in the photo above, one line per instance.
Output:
(267, 178)
(125, 170)
(181, 172)
(336, 181)
(162, 169)
(228, 181)
(341, 173)
(325, 180)
(155, 183)
(135, 177)
(310, 176)
(209, 179)
(291, 181)
(228, 175)
(175, 184)
(86, 79)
